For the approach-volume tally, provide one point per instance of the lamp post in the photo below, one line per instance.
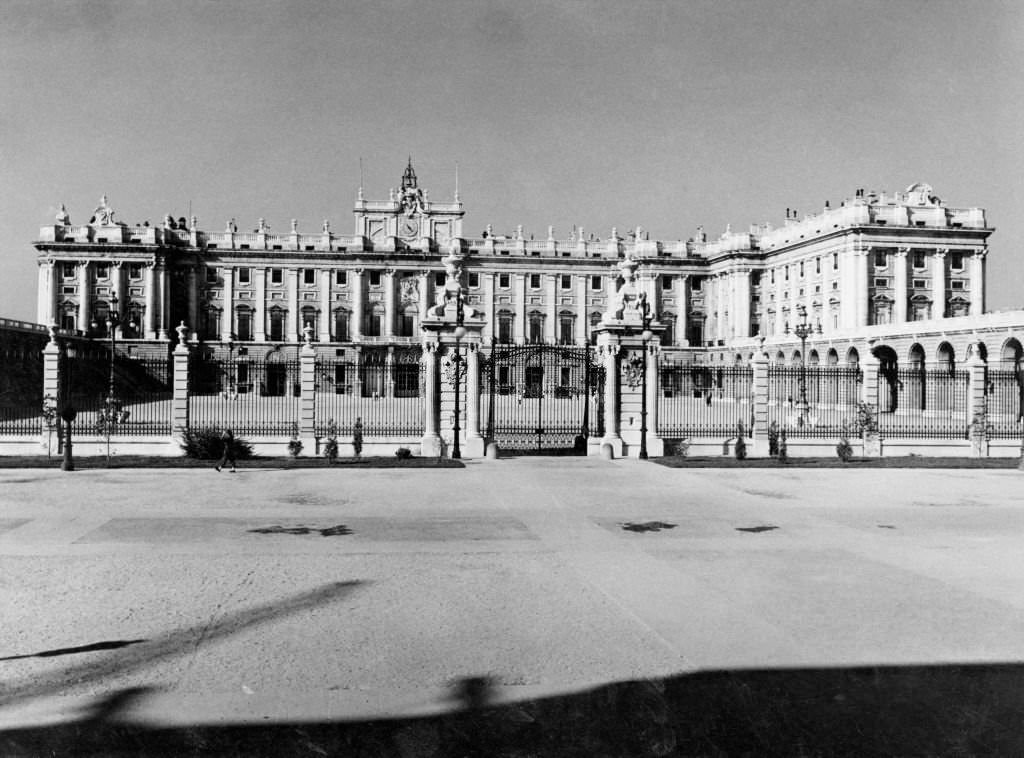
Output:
(112, 413)
(67, 411)
(645, 314)
(803, 330)
(460, 332)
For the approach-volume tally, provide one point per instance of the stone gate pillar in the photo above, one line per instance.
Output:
(430, 445)
(53, 391)
(179, 396)
(307, 391)
(977, 410)
(760, 400)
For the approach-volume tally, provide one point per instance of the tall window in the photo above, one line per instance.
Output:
(565, 281)
(956, 261)
(535, 281)
(276, 275)
(835, 261)
(340, 277)
(102, 271)
(244, 332)
(565, 329)
(309, 318)
(276, 325)
(503, 281)
(211, 323)
(341, 325)
(474, 280)
(68, 270)
(407, 323)
(918, 259)
(243, 275)
(309, 276)
(372, 321)
(880, 259)
(536, 327)
(375, 278)
(595, 282)
(505, 329)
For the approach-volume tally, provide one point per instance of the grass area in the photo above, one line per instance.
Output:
(260, 462)
(910, 461)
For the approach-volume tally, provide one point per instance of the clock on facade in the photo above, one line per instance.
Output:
(409, 227)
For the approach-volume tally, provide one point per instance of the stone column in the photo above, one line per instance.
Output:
(977, 282)
(424, 295)
(307, 399)
(474, 440)
(260, 315)
(551, 321)
(326, 276)
(899, 262)
(760, 400)
(861, 258)
(192, 283)
(163, 306)
(682, 335)
(227, 323)
(292, 325)
(581, 310)
(389, 303)
(84, 294)
(939, 283)
(179, 398)
(519, 296)
(490, 328)
(610, 355)
(780, 316)
(355, 326)
(430, 445)
(46, 311)
(151, 301)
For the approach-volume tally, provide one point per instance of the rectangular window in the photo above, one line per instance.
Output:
(243, 276)
(881, 282)
(102, 271)
(566, 281)
(771, 276)
(474, 280)
(309, 276)
(68, 270)
(341, 277)
(595, 283)
(817, 265)
(375, 278)
(565, 376)
(956, 261)
(755, 278)
(697, 283)
(919, 284)
(503, 281)
(956, 284)
(439, 279)
(535, 281)
(835, 261)
(276, 276)
(880, 259)
(666, 282)
(918, 260)
(211, 276)
(134, 270)
(505, 332)
(787, 273)
(565, 330)
(801, 269)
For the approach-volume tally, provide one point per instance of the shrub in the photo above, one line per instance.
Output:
(679, 447)
(403, 453)
(205, 444)
(331, 444)
(294, 444)
(844, 451)
(741, 444)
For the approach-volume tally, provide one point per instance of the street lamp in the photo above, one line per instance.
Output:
(67, 411)
(803, 330)
(645, 315)
(112, 413)
(460, 332)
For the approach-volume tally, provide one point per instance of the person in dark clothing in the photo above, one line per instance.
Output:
(227, 437)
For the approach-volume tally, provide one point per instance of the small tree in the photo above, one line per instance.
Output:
(295, 444)
(741, 444)
(357, 437)
(331, 445)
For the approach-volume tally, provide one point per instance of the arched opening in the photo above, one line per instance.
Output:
(813, 358)
(852, 357)
(780, 358)
(889, 384)
(832, 357)
(945, 357)
(914, 381)
(1012, 353)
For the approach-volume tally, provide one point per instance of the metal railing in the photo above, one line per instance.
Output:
(387, 398)
(704, 400)
(1005, 402)
(813, 401)
(255, 397)
(142, 401)
(915, 402)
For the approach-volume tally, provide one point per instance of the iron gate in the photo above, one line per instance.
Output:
(542, 398)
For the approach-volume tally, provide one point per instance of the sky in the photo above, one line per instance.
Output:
(667, 115)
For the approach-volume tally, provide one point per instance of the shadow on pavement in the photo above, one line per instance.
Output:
(94, 647)
(957, 710)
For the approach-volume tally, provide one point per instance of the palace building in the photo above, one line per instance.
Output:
(873, 260)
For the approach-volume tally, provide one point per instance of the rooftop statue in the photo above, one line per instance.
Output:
(103, 215)
(62, 216)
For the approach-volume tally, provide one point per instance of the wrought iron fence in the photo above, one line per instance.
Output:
(250, 396)
(1005, 396)
(386, 397)
(813, 401)
(141, 402)
(919, 402)
(704, 400)
(542, 397)
(21, 394)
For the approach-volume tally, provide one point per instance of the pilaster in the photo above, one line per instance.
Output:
(260, 316)
(84, 296)
(227, 322)
(326, 276)
(355, 326)
(939, 283)
(150, 315)
(292, 324)
(899, 262)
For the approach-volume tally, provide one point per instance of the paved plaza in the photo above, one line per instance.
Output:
(314, 594)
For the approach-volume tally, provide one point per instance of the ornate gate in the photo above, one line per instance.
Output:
(542, 398)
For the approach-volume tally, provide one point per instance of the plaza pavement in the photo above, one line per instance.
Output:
(340, 594)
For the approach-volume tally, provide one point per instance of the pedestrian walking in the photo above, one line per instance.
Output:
(227, 439)
(357, 437)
